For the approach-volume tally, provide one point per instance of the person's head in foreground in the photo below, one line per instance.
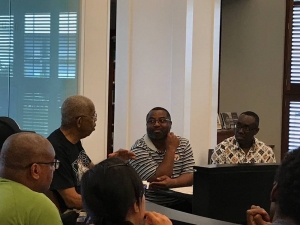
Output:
(113, 193)
(285, 195)
(28, 158)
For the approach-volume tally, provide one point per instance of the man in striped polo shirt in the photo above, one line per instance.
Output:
(162, 158)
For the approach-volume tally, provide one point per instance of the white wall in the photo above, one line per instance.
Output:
(167, 55)
(252, 57)
(93, 67)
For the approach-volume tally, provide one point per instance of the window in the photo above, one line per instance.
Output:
(6, 45)
(38, 60)
(37, 45)
(291, 89)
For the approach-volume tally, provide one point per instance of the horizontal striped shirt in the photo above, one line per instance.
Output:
(148, 158)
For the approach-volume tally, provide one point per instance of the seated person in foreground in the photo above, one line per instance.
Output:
(78, 120)
(26, 169)
(162, 158)
(285, 196)
(113, 193)
(243, 147)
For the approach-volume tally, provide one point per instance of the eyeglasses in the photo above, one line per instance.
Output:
(94, 117)
(246, 129)
(54, 164)
(160, 121)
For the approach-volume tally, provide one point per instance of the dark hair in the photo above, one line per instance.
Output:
(253, 114)
(109, 189)
(288, 180)
(159, 108)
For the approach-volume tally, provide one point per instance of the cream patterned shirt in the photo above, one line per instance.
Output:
(229, 152)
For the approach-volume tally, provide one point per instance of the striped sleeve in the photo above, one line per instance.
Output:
(144, 165)
(188, 158)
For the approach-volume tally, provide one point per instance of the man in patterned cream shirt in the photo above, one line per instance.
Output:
(243, 147)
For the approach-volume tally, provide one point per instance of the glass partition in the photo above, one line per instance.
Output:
(38, 60)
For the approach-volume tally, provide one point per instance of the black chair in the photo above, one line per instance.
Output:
(210, 152)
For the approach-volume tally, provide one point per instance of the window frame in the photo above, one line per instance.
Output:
(291, 91)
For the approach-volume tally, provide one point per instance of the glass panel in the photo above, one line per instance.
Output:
(67, 45)
(41, 51)
(6, 54)
(294, 125)
(37, 45)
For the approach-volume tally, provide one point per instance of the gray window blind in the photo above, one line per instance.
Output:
(67, 55)
(36, 112)
(6, 45)
(37, 45)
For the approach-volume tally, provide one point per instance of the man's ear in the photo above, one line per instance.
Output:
(35, 171)
(136, 208)
(274, 193)
(78, 122)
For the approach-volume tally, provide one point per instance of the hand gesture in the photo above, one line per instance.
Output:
(257, 216)
(162, 182)
(154, 218)
(123, 154)
(172, 141)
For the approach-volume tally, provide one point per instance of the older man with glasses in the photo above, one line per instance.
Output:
(78, 120)
(26, 169)
(163, 159)
(243, 147)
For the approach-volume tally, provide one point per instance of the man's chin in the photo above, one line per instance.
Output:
(157, 136)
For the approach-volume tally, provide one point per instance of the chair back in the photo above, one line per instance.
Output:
(210, 152)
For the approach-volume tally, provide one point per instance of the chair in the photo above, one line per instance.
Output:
(210, 152)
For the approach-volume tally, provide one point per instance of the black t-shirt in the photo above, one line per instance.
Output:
(73, 163)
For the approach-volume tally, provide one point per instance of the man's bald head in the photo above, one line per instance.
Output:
(24, 148)
(75, 106)
(19, 160)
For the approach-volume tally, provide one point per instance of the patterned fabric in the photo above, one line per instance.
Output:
(148, 159)
(229, 152)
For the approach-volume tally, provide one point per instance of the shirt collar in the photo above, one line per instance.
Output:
(149, 142)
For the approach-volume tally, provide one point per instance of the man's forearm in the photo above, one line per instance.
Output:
(183, 180)
(166, 166)
(71, 198)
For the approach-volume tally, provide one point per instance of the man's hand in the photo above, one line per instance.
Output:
(123, 154)
(162, 182)
(257, 216)
(154, 218)
(172, 141)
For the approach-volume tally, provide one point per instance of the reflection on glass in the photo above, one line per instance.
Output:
(38, 60)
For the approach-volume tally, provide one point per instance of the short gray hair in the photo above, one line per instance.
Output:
(73, 107)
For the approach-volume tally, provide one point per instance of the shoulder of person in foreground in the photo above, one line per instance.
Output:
(45, 212)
